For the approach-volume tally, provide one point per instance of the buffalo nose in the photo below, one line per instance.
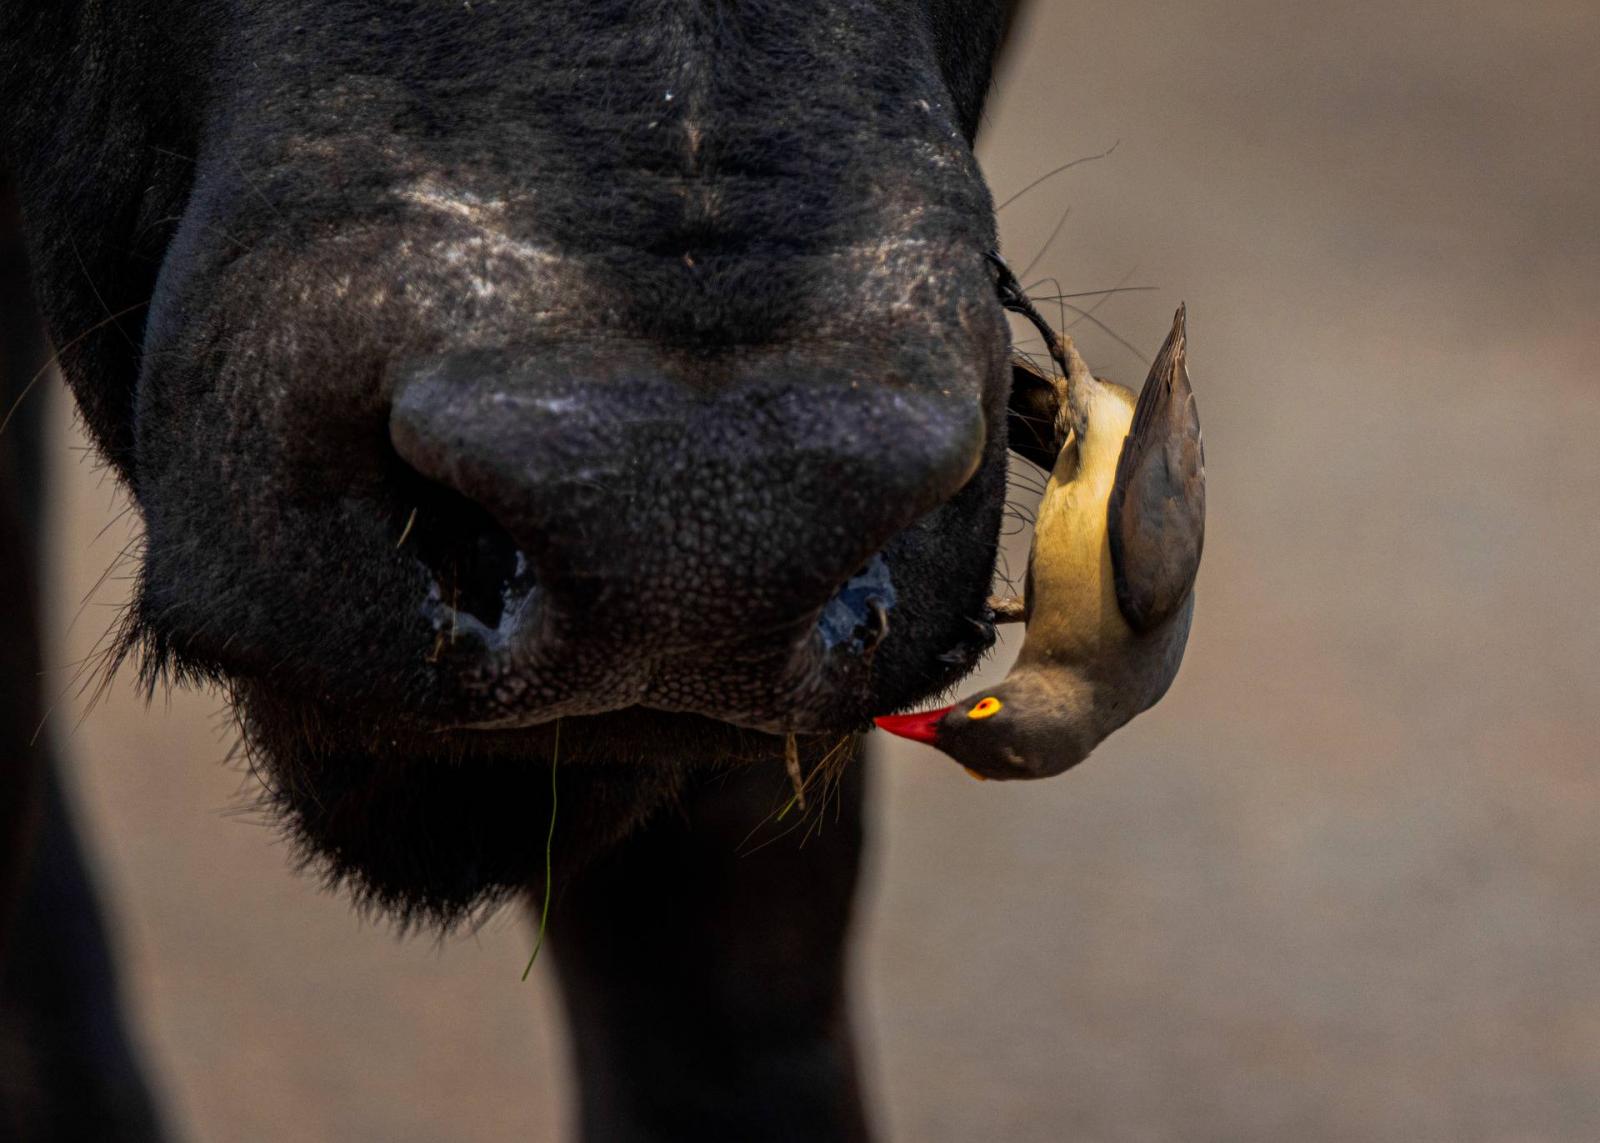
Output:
(675, 508)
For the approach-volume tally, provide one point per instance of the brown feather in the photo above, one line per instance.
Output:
(1156, 513)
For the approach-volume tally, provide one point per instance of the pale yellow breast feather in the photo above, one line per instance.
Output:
(1073, 593)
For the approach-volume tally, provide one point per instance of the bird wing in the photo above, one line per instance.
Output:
(1157, 511)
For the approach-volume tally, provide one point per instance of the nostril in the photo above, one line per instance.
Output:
(477, 568)
(858, 613)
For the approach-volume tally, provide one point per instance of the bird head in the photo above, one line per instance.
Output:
(1021, 728)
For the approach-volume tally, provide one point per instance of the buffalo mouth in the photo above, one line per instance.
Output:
(416, 777)
(408, 748)
(432, 818)
(436, 829)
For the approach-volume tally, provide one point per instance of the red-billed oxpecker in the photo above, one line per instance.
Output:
(1110, 587)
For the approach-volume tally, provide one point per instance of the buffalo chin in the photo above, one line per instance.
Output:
(436, 829)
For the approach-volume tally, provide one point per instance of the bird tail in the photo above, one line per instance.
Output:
(1168, 377)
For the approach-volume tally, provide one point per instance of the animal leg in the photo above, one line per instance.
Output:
(705, 985)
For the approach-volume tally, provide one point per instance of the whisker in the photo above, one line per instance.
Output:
(1091, 293)
(1048, 242)
(1048, 175)
(55, 359)
(94, 289)
(1088, 315)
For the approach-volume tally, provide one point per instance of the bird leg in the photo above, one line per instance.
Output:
(1007, 608)
(1040, 411)
(1014, 299)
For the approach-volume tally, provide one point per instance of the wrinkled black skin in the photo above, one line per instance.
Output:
(233, 277)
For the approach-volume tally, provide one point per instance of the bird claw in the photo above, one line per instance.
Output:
(1014, 298)
(1007, 609)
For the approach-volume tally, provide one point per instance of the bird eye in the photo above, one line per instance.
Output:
(985, 708)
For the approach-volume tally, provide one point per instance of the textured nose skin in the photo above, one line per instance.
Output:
(683, 515)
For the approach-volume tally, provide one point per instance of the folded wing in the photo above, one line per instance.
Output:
(1157, 510)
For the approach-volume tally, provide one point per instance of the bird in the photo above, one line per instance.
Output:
(1109, 594)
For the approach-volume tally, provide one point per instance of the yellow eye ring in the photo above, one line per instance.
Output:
(986, 708)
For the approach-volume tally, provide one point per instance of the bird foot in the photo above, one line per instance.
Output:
(1007, 608)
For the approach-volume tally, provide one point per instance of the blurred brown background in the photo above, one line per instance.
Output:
(1343, 884)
